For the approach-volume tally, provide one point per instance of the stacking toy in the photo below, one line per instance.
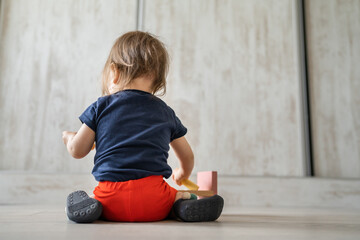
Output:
(189, 184)
(206, 184)
(207, 181)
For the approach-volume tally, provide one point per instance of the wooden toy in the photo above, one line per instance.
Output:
(206, 184)
(189, 184)
(199, 193)
(207, 181)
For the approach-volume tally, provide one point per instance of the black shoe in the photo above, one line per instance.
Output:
(81, 208)
(206, 209)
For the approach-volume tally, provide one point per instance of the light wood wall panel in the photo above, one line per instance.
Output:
(333, 40)
(51, 58)
(234, 82)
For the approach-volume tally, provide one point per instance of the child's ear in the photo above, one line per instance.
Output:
(112, 67)
(114, 73)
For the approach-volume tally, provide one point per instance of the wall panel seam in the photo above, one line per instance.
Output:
(140, 15)
(304, 85)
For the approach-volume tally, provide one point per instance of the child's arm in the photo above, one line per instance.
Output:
(185, 155)
(79, 143)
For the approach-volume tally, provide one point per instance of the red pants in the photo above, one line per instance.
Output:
(142, 200)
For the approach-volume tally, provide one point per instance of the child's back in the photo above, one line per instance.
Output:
(133, 132)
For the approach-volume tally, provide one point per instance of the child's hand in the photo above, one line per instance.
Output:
(66, 136)
(179, 175)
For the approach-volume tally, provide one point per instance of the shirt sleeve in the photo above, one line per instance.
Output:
(89, 116)
(179, 129)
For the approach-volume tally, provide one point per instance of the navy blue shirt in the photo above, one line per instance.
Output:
(133, 130)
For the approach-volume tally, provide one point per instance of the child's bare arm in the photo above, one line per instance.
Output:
(185, 155)
(79, 143)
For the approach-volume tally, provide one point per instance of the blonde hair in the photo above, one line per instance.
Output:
(137, 54)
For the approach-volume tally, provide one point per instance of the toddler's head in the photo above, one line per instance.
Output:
(134, 55)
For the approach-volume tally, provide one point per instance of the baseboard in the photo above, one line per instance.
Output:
(239, 192)
(266, 192)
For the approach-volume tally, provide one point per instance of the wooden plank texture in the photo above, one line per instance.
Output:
(234, 81)
(333, 40)
(51, 57)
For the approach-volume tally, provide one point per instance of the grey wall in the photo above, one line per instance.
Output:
(234, 79)
(235, 82)
(51, 57)
(333, 39)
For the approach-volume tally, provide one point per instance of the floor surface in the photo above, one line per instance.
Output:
(50, 222)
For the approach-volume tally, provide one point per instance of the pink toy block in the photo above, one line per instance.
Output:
(207, 181)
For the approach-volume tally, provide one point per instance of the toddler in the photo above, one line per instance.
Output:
(132, 129)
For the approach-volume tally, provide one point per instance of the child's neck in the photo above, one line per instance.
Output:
(142, 84)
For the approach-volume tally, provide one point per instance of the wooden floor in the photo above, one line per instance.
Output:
(50, 222)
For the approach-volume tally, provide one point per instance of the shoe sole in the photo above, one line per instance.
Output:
(81, 208)
(203, 210)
